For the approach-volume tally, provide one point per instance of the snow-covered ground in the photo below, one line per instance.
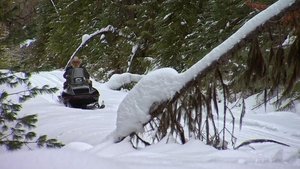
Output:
(89, 134)
(89, 142)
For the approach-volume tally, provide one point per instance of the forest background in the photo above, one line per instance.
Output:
(42, 35)
(150, 34)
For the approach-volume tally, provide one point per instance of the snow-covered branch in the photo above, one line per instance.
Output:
(86, 38)
(118, 80)
(133, 54)
(166, 84)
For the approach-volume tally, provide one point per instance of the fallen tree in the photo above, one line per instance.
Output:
(189, 103)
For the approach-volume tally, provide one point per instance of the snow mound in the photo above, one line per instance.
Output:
(79, 146)
(54, 159)
(118, 80)
(156, 87)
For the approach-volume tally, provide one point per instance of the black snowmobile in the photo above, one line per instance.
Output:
(79, 93)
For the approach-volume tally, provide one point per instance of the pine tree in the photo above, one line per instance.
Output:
(16, 131)
(16, 26)
(271, 70)
(155, 27)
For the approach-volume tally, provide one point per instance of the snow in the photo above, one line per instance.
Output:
(89, 135)
(84, 38)
(138, 101)
(288, 41)
(59, 159)
(167, 16)
(133, 53)
(118, 80)
(134, 49)
(27, 43)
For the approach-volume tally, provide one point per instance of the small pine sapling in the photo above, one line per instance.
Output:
(15, 131)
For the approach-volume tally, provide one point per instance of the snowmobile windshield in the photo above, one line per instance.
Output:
(77, 76)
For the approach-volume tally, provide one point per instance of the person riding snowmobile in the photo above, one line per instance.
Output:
(76, 69)
(78, 90)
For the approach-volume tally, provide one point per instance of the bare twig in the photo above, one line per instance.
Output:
(52, 2)
(143, 141)
(259, 141)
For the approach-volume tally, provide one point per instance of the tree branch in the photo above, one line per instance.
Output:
(52, 2)
(259, 141)
(84, 42)
(221, 58)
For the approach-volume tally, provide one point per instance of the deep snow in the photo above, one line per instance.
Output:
(89, 134)
(89, 142)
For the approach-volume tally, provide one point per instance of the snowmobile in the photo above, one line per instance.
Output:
(79, 93)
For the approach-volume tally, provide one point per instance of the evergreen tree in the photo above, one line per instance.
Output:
(42, 57)
(164, 33)
(16, 26)
(153, 28)
(271, 70)
(16, 131)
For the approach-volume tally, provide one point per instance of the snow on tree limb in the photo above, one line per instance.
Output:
(118, 80)
(86, 38)
(133, 111)
(165, 85)
(242, 34)
(133, 54)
